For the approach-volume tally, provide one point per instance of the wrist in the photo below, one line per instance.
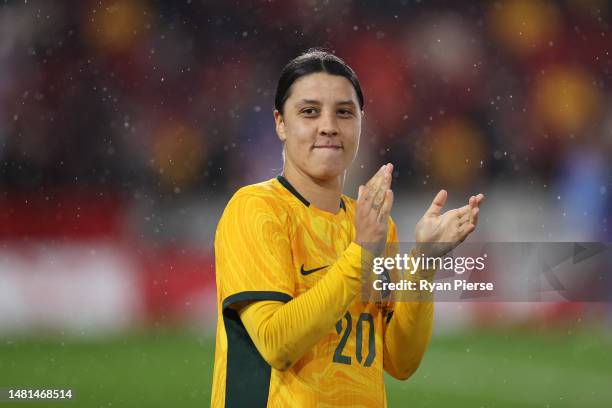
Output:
(423, 271)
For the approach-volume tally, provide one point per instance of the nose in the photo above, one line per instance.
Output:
(328, 125)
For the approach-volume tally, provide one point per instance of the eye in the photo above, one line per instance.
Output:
(309, 112)
(345, 112)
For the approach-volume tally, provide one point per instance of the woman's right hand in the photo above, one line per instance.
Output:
(374, 203)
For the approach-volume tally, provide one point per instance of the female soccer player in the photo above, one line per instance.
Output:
(292, 328)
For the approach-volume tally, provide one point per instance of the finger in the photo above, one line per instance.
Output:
(375, 189)
(463, 211)
(465, 217)
(389, 168)
(375, 180)
(366, 200)
(385, 211)
(472, 202)
(474, 217)
(389, 177)
(437, 203)
(465, 230)
(380, 193)
(360, 194)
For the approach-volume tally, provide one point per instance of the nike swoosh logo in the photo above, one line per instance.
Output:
(309, 271)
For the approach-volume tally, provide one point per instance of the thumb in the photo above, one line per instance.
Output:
(437, 203)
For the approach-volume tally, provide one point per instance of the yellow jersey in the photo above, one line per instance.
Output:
(271, 244)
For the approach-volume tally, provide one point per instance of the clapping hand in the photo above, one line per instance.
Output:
(436, 233)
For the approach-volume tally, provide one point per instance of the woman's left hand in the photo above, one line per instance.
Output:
(437, 233)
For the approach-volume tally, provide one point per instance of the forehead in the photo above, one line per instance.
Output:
(323, 87)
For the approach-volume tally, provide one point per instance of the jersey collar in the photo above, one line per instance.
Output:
(297, 194)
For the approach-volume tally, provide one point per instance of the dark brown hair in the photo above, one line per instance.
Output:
(312, 61)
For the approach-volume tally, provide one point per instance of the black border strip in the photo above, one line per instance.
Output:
(296, 193)
(255, 295)
(247, 374)
(292, 189)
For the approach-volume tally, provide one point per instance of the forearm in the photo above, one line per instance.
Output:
(407, 337)
(409, 331)
(284, 332)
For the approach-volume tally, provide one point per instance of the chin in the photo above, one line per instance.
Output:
(328, 172)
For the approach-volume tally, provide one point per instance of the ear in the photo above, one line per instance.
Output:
(280, 125)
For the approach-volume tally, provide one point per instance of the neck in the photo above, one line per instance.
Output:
(323, 194)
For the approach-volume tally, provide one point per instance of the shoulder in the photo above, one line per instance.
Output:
(266, 194)
(264, 197)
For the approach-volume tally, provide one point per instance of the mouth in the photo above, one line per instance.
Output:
(331, 147)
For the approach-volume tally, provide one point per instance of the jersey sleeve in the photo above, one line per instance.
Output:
(392, 241)
(252, 251)
(392, 248)
(408, 325)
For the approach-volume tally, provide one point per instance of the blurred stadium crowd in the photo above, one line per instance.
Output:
(126, 125)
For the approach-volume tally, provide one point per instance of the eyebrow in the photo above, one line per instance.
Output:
(348, 102)
(316, 102)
